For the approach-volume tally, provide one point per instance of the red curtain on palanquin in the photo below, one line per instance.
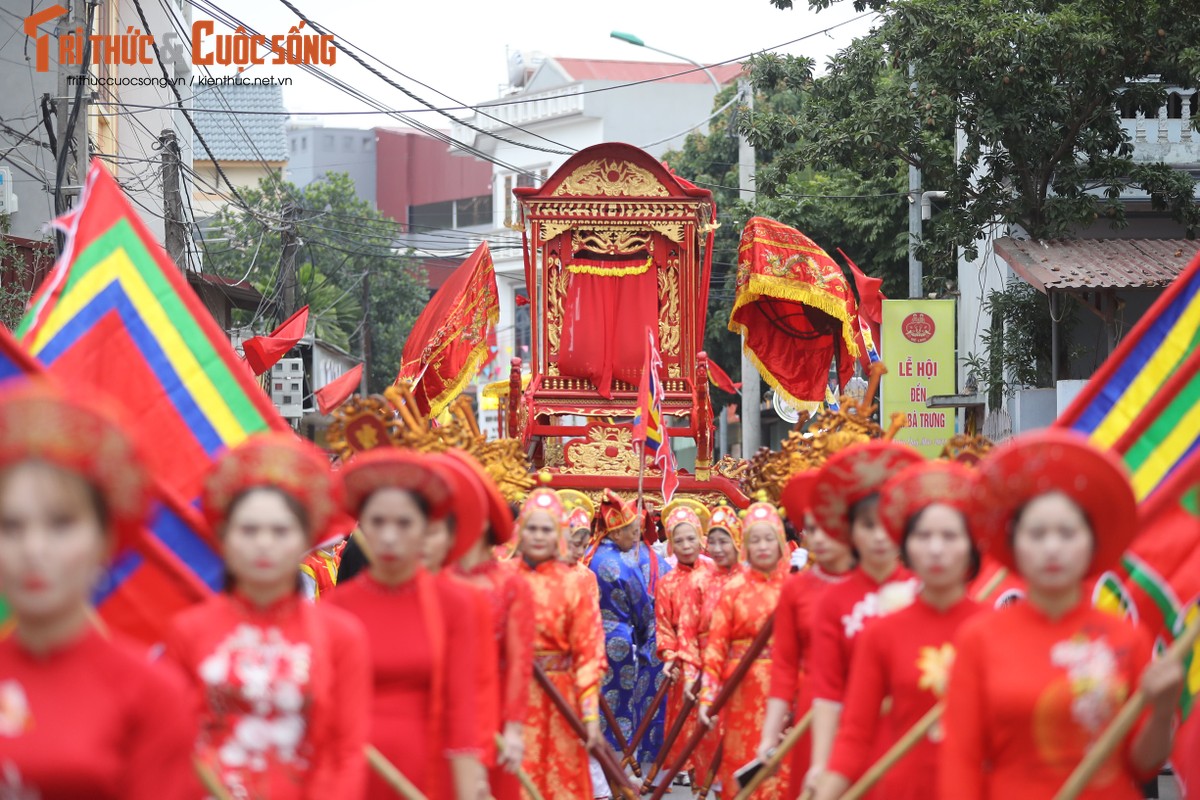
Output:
(795, 309)
(608, 307)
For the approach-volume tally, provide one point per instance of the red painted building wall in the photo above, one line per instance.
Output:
(414, 169)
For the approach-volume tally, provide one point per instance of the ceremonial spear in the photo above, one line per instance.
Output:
(629, 751)
(772, 763)
(756, 647)
(713, 768)
(689, 703)
(608, 761)
(644, 726)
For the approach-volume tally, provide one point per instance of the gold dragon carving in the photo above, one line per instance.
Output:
(556, 290)
(669, 219)
(605, 451)
(604, 178)
(668, 311)
(611, 240)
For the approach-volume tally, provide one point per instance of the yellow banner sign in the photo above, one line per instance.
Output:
(918, 348)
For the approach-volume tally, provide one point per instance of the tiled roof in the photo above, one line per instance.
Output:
(230, 135)
(593, 69)
(1066, 264)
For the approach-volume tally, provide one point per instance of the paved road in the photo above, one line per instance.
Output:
(1166, 791)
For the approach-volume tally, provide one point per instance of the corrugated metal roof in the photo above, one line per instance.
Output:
(598, 69)
(1065, 264)
(246, 137)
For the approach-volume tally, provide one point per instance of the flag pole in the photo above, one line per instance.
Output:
(641, 480)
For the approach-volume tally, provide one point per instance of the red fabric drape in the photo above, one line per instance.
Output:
(608, 307)
(795, 309)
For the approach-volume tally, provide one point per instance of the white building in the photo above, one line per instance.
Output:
(565, 105)
(1112, 276)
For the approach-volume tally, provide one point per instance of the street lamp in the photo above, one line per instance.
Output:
(629, 38)
(751, 386)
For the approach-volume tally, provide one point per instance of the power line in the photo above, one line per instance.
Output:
(524, 100)
(137, 4)
(342, 44)
(324, 75)
(229, 108)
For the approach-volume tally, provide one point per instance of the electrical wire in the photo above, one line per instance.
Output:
(324, 75)
(137, 4)
(21, 137)
(524, 100)
(60, 169)
(342, 43)
(230, 111)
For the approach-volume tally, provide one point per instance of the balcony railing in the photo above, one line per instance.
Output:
(520, 110)
(1168, 136)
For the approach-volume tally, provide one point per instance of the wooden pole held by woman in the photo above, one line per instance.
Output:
(648, 717)
(522, 776)
(393, 777)
(629, 752)
(710, 776)
(917, 732)
(727, 690)
(209, 780)
(896, 752)
(1121, 724)
(685, 711)
(606, 757)
(782, 749)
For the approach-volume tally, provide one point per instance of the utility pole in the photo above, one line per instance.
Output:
(915, 267)
(751, 382)
(175, 229)
(72, 117)
(288, 283)
(366, 331)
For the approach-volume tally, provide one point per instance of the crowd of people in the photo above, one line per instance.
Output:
(458, 648)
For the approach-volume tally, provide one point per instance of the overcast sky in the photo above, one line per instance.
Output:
(460, 47)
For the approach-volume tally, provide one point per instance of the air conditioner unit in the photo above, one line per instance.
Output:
(8, 198)
(287, 387)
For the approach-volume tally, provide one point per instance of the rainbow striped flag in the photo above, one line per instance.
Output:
(116, 315)
(648, 427)
(1144, 404)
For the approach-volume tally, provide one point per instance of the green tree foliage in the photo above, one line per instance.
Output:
(342, 242)
(1014, 112)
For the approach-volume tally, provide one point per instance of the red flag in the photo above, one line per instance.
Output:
(334, 393)
(870, 308)
(449, 340)
(720, 378)
(263, 351)
(795, 311)
(870, 298)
